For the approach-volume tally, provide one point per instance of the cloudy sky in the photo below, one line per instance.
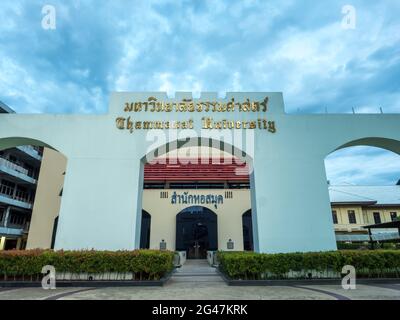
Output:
(298, 47)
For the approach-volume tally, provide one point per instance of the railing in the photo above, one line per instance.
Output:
(17, 168)
(26, 226)
(31, 149)
(13, 166)
(22, 196)
(15, 194)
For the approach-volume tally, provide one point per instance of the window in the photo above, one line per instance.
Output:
(17, 219)
(239, 185)
(334, 217)
(228, 194)
(12, 159)
(393, 216)
(7, 187)
(8, 183)
(352, 216)
(183, 185)
(53, 236)
(164, 194)
(154, 186)
(377, 217)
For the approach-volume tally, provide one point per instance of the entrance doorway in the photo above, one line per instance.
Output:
(247, 231)
(196, 232)
(145, 230)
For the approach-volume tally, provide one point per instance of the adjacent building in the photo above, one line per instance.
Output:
(19, 172)
(354, 207)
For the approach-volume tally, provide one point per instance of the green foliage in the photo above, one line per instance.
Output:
(363, 246)
(145, 264)
(352, 246)
(255, 266)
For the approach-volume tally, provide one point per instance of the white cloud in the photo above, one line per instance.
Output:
(300, 49)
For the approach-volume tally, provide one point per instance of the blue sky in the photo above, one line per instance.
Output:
(297, 47)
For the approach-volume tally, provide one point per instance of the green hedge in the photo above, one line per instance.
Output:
(255, 266)
(352, 246)
(27, 264)
(362, 246)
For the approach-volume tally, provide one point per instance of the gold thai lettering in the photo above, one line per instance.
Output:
(264, 104)
(152, 103)
(188, 105)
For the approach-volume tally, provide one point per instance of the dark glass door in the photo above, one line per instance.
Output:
(196, 232)
(247, 231)
(145, 230)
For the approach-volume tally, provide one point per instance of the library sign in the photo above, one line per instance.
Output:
(152, 105)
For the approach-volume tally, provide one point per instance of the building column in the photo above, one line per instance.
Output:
(7, 216)
(110, 217)
(2, 243)
(291, 207)
(19, 242)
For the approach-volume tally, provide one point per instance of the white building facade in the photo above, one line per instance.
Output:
(101, 206)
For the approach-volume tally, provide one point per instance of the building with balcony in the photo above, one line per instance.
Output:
(19, 172)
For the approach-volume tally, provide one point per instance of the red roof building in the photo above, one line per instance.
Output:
(196, 169)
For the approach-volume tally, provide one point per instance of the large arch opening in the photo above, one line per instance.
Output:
(31, 185)
(198, 172)
(364, 189)
(196, 232)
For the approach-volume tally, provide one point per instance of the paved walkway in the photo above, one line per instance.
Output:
(196, 280)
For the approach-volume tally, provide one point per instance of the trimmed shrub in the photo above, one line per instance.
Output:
(256, 266)
(27, 264)
(352, 246)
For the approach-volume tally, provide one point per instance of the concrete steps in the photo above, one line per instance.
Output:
(196, 271)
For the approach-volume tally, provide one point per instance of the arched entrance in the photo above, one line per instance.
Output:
(180, 151)
(362, 184)
(145, 230)
(196, 232)
(247, 231)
